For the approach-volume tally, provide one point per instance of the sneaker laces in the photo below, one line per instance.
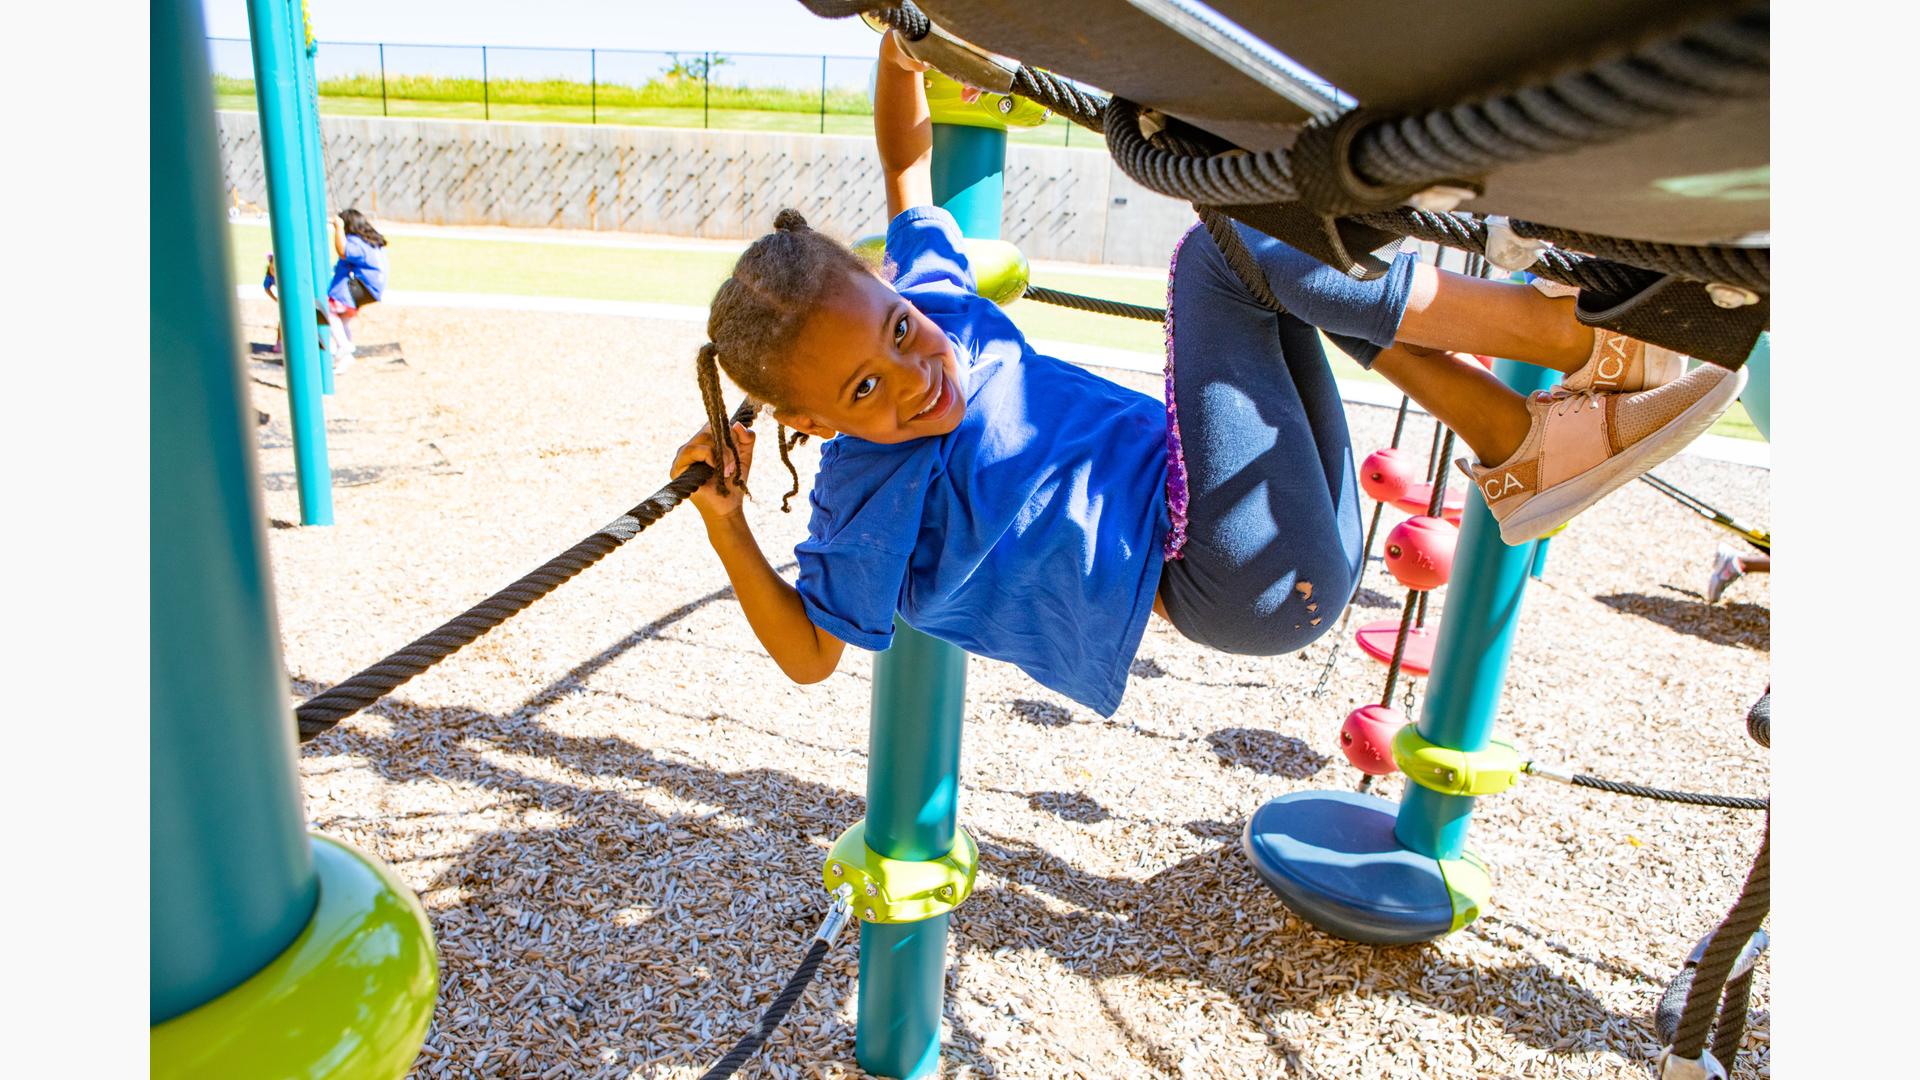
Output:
(1562, 401)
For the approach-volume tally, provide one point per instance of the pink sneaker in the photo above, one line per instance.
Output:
(1726, 571)
(1623, 364)
(1583, 445)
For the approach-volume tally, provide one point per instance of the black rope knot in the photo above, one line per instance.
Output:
(1321, 162)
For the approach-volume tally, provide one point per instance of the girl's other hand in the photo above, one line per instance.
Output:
(700, 448)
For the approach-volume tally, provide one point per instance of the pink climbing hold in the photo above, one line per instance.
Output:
(1386, 474)
(1420, 551)
(1367, 738)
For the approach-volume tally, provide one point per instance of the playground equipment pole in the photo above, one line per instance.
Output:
(276, 86)
(226, 817)
(272, 953)
(1353, 864)
(305, 49)
(919, 697)
(1470, 656)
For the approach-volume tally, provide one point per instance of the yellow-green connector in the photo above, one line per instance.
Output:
(991, 110)
(1000, 270)
(1455, 772)
(897, 890)
(1469, 886)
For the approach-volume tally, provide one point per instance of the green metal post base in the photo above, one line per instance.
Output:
(351, 997)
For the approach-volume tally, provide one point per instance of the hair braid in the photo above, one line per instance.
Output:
(707, 369)
(788, 440)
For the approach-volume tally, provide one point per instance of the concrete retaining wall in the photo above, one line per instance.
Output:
(1060, 203)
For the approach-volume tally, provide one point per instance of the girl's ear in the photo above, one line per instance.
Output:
(804, 424)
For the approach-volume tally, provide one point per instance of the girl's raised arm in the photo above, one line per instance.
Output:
(902, 129)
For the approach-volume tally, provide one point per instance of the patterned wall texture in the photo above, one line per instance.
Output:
(1060, 204)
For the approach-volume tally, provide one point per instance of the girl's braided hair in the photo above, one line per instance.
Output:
(753, 322)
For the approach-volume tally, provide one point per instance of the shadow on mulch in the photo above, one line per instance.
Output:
(1069, 806)
(1041, 713)
(1748, 625)
(1113, 927)
(1267, 752)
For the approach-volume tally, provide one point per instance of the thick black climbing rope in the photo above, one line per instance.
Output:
(1710, 977)
(1693, 72)
(327, 708)
(904, 17)
(1369, 162)
(1760, 719)
(1468, 232)
(1691, 798)
(1094, 304)
(1239, 259)
(1087, 109)
(1748, 267)
(750, 1043)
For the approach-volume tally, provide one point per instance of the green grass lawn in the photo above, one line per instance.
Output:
(718, 117)
(530, 268)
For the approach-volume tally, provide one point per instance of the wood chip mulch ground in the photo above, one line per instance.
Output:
(615, 808)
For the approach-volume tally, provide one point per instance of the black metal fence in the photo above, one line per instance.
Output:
(739, 91)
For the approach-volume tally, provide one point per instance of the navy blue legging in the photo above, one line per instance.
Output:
(1272, 552)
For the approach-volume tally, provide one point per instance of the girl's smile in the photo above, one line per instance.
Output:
(870, 365)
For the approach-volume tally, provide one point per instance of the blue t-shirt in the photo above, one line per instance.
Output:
(363, 260)
(1031, 533)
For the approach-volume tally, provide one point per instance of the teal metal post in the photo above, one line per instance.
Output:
(1470, 656)
(969, 166)
(919, 697)
(276, 87)
(1539, 569)
(1758, 396)
(232, 874)
(913, 779)
(316, 183)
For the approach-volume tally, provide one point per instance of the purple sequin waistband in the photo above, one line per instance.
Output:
(1176, 461)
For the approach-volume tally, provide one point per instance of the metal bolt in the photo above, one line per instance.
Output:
(1006, 104)
(946, 892)
(837, 869)
(1731, 296)
(872, 889)
(869, 915)
(1452, 776)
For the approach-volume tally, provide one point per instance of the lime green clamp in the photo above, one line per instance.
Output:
(946, 106)
(1455, 772)
(351, 997)
(900, 890)
(1469, 887)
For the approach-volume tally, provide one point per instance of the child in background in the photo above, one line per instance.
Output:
(1030, 511)
(1730, 566)
(359, 275)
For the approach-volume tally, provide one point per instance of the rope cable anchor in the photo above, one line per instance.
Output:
(886, 890)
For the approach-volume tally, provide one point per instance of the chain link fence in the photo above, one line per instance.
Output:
(829, 95)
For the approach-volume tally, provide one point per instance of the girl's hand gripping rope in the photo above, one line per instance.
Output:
(701, 448)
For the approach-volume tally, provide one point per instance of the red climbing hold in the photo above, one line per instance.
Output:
(1419, 551)
(1418, 495)
(1387, 474)
(1367, 738)
(1376, 640)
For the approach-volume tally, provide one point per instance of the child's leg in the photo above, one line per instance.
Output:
(1543, 459)
(1488, 416)
(1454, 312)
(1272, 549)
